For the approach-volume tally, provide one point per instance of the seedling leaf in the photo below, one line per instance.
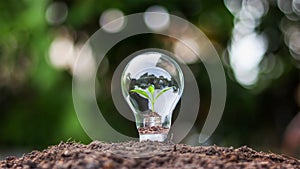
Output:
(151, 89)
(141, 92)
(162, 92)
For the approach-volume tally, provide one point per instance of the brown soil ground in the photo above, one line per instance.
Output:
(147, 155)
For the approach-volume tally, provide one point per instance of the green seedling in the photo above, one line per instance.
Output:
(149, 94)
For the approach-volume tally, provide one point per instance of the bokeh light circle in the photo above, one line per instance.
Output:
(116, 19)
(157, 18)
(56, 13)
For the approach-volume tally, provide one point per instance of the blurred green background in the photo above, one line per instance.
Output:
(258, 42)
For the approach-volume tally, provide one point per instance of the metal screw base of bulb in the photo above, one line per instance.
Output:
(154, 137)
(153, 133)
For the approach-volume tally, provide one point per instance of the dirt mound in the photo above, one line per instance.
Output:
(147, 155)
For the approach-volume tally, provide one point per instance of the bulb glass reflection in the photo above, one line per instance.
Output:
(152, 84)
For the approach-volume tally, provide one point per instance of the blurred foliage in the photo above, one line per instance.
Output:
(36, 99)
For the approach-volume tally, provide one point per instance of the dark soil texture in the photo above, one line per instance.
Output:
(147, 154)
(153, 130)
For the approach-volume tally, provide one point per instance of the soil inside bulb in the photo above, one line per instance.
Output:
(152, 124)
(153, 130)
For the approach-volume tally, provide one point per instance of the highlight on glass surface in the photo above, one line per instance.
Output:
(152, 84)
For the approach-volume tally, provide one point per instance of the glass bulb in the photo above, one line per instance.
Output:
(152, 84)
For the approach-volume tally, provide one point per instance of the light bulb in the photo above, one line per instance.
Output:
(152, 84)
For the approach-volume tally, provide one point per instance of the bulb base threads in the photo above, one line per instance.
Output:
(153, 133)
(154, 137)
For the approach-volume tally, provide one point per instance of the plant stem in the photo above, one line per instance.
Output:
(152, 102)
(152, 106)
